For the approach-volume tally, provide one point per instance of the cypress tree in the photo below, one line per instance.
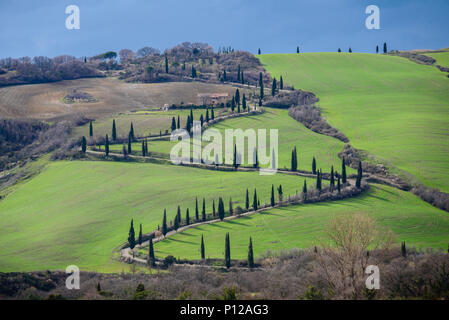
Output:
(318, 181)
(203, 253)
(297, 49)
(250, 254)
(178, 215)
(255, 200)
(83, 144)
(203, 212)
(403, 249)
(166, 64)
(213, 208)
(176, 223)
(188, 124)
(304, 191)
(235, 160)
(106, 146)
(212, 115)
(332, 182)
(273, 87)
(91, 130)
(259, 52)
(201, 120)
(178, 124)
(125, 152)
(350, 50)
(139, 240)
(385, 47)
(233, 104)
(238, 73)
(197, 215)
(207, 115)
(191, 117)
(225, 77)
(280, 193)
(244, 102)
(231, 210)
(247, 200)
(146, 146)
(129, 143)
(377, 49)
(131, 132)
(294, 164)
(187, 217)
(255, 158)
(227, 251)
(237, 96)
(273, 201)
(164, 223)
(221, 212)
(114, 131)
(343, 170)
(242, 78)
(358, 181)
(143, 148)
(173, 124)
(314, 166)
(151, 258)
(338, 184)
(281, 83)
(261, 85)
(131, 236)
(339, 50)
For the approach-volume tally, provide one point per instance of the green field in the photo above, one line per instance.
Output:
(302, 226)
(442, 58)
(77, 212)
(395, 109)
(290, 133)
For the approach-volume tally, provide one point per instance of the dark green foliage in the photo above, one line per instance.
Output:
(238, 73)
(259, 52)
(114, 131)
(385, 47)
(176, 223)
(377, 49)
(178, 124)
(273, 87)
(247, 200)
(143, 148)
(358, 181)
(304, 191)
(281, 83)
(297, 49)
(235, 162)
(139, 239)
(318, 180)
(131, 132)
(187, 217)
(166, 64)
(294, 161)
(203, 212)
(212, 115)
(280, 193)
(193, 72)
(339, 50)
(178, 215)
(197, 214)
(314, 166)
(188, 126)
(233, 104)
(261, 87)
(231, 210)
(125, 152)
(227, 251)
(83, 144)
(201, 120)
(255, 200)
(203, 253)
(244, 102)
(273, 201)
(131, 236)
(250, 254)
(350, 50)
(213, 208)
(237, 96)
(91, 130)
(338, 184)
(343, 170)
(164, 223)
(173, 124)
(146, 147)
(106, 146)
(207, 115)
(221, 211)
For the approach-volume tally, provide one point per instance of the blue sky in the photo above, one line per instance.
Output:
(31, 28)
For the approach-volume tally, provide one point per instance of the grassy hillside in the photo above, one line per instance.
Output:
(290, 133)
(442, 58)
(393, 108)
(302, 226)
(78, 212)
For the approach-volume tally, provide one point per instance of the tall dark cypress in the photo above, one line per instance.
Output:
(385, 47)
(237, 96)
(139, 239)
(176, 223)
(166, 64)
(259, 52)
(273, 87)
(143, 148)
(203, 212)
(314, 166)
(173, 124)
(255, 158)
(358, 181)
(231, 210)
(250, 254)
(207, 115)
(131, 132)
(178, 215)
(151, 257)
(318, 181)
(131, 236)
(203, 253)
(332, 182)
(403, 249)
(187, 217)
(83, 144)
(304, 191)
(114, 131)
(178, 124)
(212, 115)
(281, 83)
(343, 170)
(235, 159)
(164, 223)
(273, 201)
(261, 85)
(91, 129)
(297, 49)
(247, 200)
(106, 146)
(255, 200)
(338, 185)
(221, 212)
(227, 251)
(244, 102)
(197, 215)
(294, 161)
(129, 143)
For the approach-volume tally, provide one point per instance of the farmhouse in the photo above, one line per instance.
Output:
(212, 98)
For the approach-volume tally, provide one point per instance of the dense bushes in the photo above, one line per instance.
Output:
(433, 196)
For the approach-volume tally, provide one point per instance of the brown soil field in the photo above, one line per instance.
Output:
(45, 101)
